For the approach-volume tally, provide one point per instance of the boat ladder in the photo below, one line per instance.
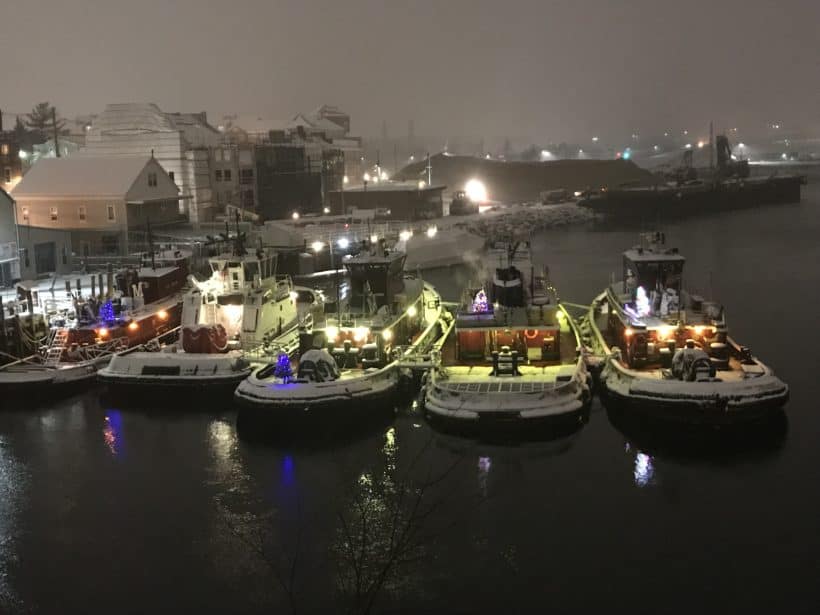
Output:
(55, 349)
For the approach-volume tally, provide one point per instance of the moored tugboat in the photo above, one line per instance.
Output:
(667, 352)
(241, 313)
(141, 305)
(348, 368)
(513, 357)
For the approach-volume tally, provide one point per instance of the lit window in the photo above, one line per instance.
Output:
(111, 213)
(53, 213)
(4, 149)
(81, 211)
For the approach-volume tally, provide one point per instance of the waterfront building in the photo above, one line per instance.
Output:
(101, 206)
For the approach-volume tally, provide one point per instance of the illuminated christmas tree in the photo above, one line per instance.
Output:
(283, 369)
(480, 303)
(107, 312)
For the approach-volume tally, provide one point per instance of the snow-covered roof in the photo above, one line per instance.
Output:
(132, 118)
(81, 176)
(637, 255)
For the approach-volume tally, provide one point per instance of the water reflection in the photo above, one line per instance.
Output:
(484, 465)
(13, 485)
(113, 434)
(703, 444)
(644, 470)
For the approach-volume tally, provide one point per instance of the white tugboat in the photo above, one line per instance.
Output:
(141, 306)
(243, 312)
(512, 357)
(349, 367)
(667, 352)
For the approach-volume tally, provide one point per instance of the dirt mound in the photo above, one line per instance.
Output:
(524, 181)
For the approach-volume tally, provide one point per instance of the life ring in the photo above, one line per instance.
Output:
(528, 336)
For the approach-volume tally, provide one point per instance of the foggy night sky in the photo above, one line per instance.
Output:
(551, 69)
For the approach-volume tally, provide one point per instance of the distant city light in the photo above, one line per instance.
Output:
(545, 154)
(627, 154)
(326, 210)
(655, 147)
(701, 144)
(580, 151)
(476, 191)
(412, 157)
(345, 179)
(366, 177)
(688, 146)
(343, 243)
(405, 235)
(594, 139)
(374, 239)
(487, 156)
(384, 177)
(23, 154)
(295, 215)
(783, 156)
(317, 246)
(422, 184)
(431, 232)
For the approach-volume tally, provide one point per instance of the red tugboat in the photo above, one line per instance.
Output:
(142, 304)
(667, 352)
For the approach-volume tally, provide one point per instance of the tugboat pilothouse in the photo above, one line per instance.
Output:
(242, 312)
(667, 352)
(348, 366)
(513, 355)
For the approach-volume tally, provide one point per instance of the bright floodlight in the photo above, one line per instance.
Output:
(23, 154)
(476, 191)
(384, 177)
(422, 184)
(326, 210)
(345, 179)
(366, 177)
(374, 239)
(405, 235)
(295, 215)
(343, 243)
(431, 232)
(317, 246)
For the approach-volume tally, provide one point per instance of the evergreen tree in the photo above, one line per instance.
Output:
(41, 121)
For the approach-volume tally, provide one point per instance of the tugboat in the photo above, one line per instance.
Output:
(513, 357)
(349, 366)
(667, 352)
(141, 306)
(242, 312)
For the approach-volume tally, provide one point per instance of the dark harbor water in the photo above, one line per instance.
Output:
(112, 510)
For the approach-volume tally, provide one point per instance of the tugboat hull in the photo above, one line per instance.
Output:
(171, 376)
(309, 404)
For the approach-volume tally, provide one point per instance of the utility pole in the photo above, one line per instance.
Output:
(429, 171)
(56, 137)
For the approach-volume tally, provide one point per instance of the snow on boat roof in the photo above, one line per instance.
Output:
(638, 254)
